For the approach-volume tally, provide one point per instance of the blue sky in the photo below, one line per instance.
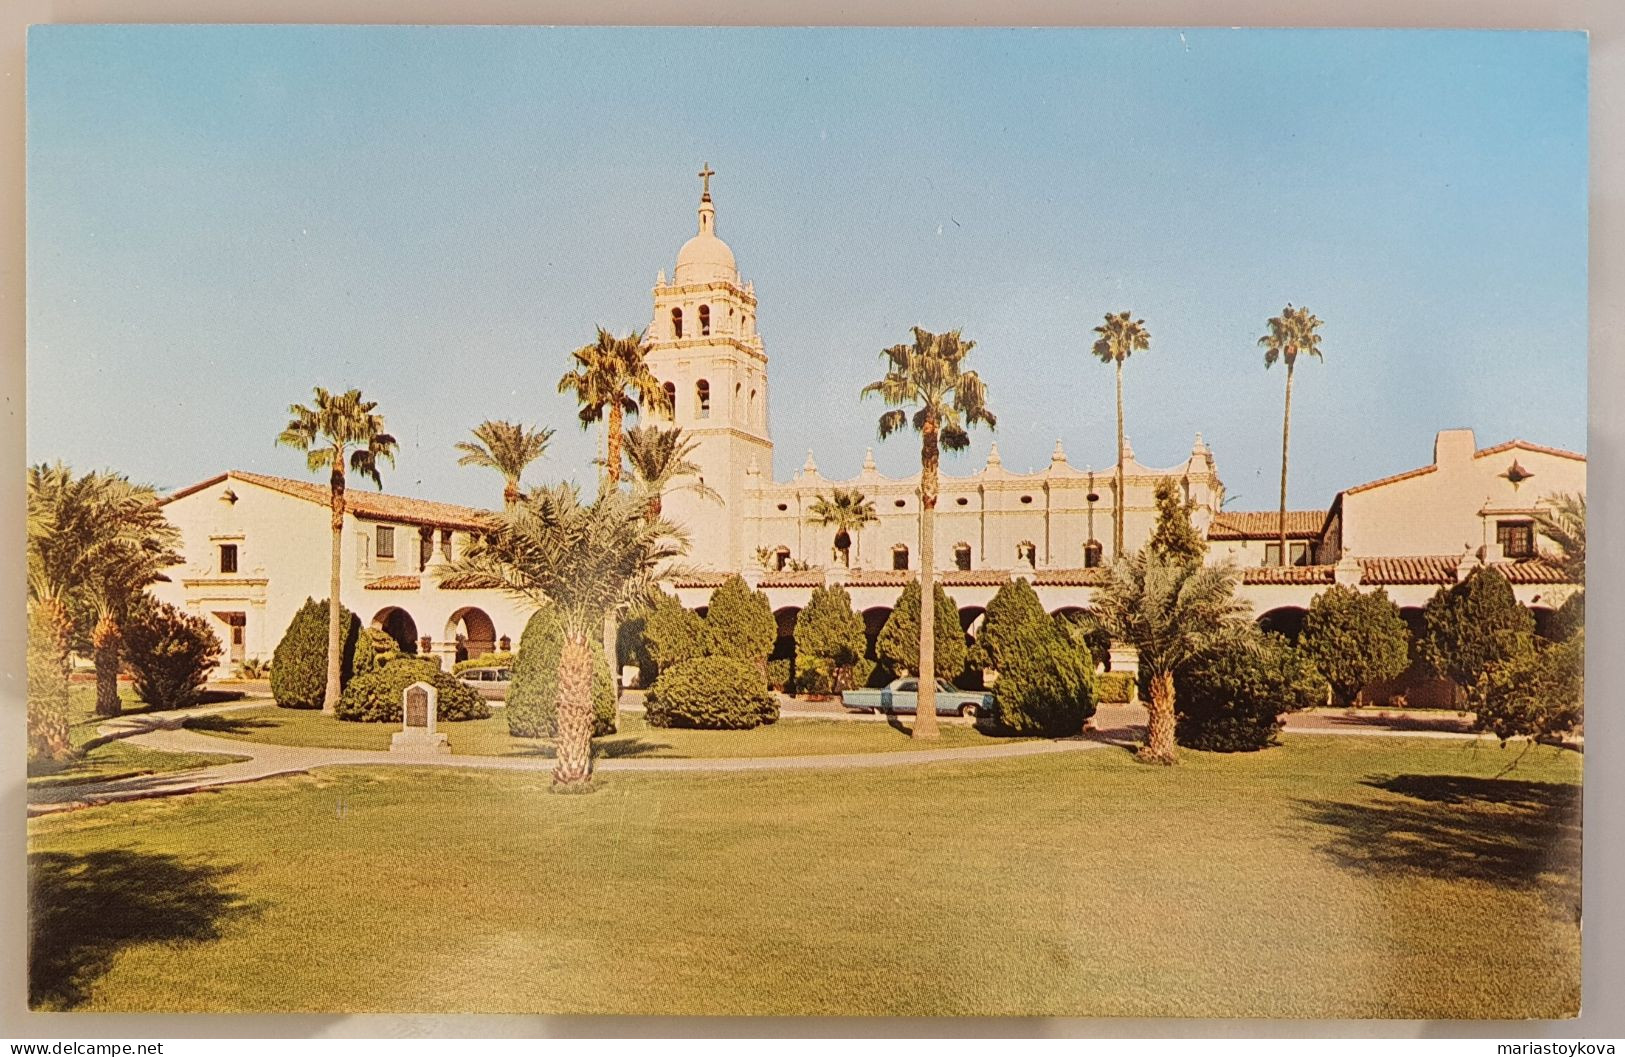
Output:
(222, 217)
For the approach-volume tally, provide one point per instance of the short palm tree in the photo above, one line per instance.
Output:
(97, 542)
(929, 376)
(1168, 610)
(658, 458)
(846, 511)
(585, 560)
(1293, 332)
(507, 448)
(340, 430)
(611, 380)
(1121, 335)
(1562, 519)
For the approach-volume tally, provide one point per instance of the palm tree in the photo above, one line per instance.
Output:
(95, 543)
(846, 511)
(1292, 332)
(658, 457)
(585, 560)
(928, 375)
(1562, 519)
(1120, 337)
(507, 448)
(340, 429)
(1169, 610)
(612, 379)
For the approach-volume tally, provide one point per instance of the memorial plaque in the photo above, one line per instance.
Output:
(417, 706)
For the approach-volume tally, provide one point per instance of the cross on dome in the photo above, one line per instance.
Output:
(705, 174)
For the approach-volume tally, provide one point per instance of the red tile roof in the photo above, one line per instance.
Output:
(373, 506)
(1287, 574)
(1095, 577)
(1265, 524)
(1379, 482)
(1524, 445)
(394, 583)
(1410, 569)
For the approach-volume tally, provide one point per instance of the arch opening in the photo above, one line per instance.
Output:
(473, 632)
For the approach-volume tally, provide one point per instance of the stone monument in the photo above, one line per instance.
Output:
(420, 704)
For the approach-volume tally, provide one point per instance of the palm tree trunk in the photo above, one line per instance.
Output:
(1286, 436)
(105, 640)
(612, 452)
(1117, 511)
(925, 716)
(511, 495)
(572, 769)
(335, 608)
(48, 682)
(1159, 734)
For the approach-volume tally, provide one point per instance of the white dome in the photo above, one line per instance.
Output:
(705, 259)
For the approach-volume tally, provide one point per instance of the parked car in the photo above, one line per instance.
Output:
(492, 683)
(902, 696)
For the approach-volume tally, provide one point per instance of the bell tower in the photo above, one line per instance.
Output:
(704, 348)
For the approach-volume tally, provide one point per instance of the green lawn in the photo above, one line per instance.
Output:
(1330, 877)
(489, 737)
(112, 759)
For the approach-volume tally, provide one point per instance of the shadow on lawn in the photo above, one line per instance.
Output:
(84, 909)
(229, 724)
(1512, 833)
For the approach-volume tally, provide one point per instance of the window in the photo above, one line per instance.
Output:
(753, 418)
(1026, 553)
(1272, 553)
(899, 557)
(702, 399)
(705, 320)
(962, 556)
(1517, 538)
(425, 547)
(236, 634)
(671, 399)
(781, 558)
(1093, 552)
(445, 544)
(228, 557)
(676, 322)
(386, 541)
(1299, 552)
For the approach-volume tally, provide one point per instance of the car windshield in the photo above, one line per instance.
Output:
(945, 685)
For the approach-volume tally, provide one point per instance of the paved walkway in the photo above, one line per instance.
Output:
(1121, 725)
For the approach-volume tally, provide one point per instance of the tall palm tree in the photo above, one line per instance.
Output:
(340, 429)
(658, 457)
(585, 560)
(1169, 610)
(846, 511)
(507, 448)
(612, 379)
(929, 376)
(1120, 337)
(95, 543)
(1292, 332)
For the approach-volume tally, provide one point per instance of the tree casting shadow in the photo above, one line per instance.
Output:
(84, 909)
(1508, 832)
(228, 724)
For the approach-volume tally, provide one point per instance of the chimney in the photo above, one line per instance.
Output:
(1453, 447)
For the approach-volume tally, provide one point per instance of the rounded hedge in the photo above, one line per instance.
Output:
(712, 693)
(376, 696)
(299, 665)
(1045, 683)
(532, 708)
(1230, 698)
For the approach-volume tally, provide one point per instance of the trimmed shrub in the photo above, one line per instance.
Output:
(299, 665)
(1230, 698)
(1046, 685)
(1474, 626)
(778, 675)
(1013, 607)
(375, 649)
(898, 646)
(1570, 618)
(830, 644)
(376, 696)
(671, 635)
(484, 660)
(1540, 695)
(168, 652)
(1114, 688)
(711, 693)
(739, 624)
(1355, 639)
(532, 707)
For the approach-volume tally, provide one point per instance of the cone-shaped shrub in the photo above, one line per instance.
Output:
(1474, 626)
(299, 665)
(1046, 681)
(532, 708)
(1014, 607)
(739, 623)
(671, 635)
(898, 646)
(830, 644)
(1355, 638)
